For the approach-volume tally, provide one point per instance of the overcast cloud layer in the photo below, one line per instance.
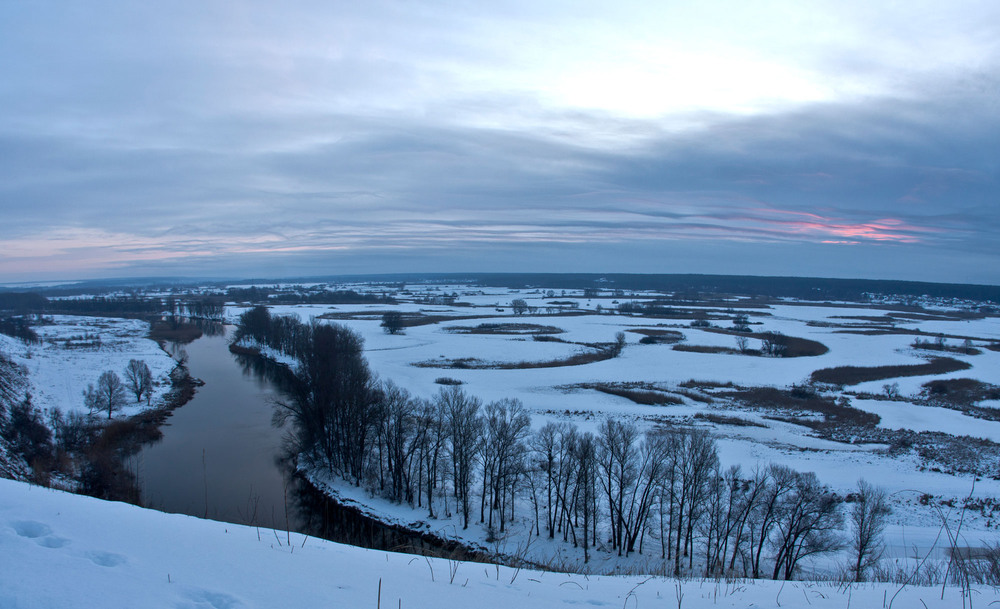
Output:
(267, 139)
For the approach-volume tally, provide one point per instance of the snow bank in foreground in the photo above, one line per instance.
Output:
(62, 550)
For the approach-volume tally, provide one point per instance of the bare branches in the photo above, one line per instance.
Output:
(868, 518)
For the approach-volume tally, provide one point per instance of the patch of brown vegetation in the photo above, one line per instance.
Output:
(694, 395)
(931, 346)
(839, 420)
(884, 319)
(721, 419)
(793, 346)
(472, 363)
(658, 333)
(640, 393)
(502, 328)
(963, 390)
(711, 349)
(409, 320)
(696, 384)
(876, 331)
(548, 338)
(852, 375)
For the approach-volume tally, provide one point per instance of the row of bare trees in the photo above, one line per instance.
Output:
(615, 488)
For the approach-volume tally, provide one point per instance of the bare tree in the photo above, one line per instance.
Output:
(565, 476)
(741, 533)
(139, 379)
(699, 457)
(618, 471)
(109, 395)
(519, 306)
(726, 498)
(433, 428)
(465, 436)
(507, 426)
(778, 481)
(555, 448)
(398, 440)
(652, 461)
(586, 483)
(810, 520)
(742, 343)
(868, 517)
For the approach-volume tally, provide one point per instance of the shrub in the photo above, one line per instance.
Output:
(392, 322)
(26, 432)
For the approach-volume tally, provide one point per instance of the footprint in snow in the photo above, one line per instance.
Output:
(31, 529)
(106, 559)
(52, 542)
(206, 599)
(40, 532)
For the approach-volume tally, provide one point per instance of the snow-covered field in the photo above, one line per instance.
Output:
(62, 550)
(76, 350)
(553, 394)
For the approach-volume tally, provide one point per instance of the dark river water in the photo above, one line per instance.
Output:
(219, 446)
(222, 458)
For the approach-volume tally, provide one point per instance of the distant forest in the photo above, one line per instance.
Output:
(806, 288)
(691, 285)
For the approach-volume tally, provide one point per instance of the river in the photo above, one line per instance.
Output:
(219, 454)
(222, 458)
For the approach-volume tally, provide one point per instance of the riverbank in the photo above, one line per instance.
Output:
(323, 511)
(399, 535)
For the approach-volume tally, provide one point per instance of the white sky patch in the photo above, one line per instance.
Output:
(671, 81)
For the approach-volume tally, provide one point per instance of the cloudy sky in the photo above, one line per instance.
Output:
(266, 139)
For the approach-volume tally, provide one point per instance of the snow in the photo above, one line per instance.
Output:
(211, 564)
(62, 550)
(904, 415)
(62, 367)
(549, 394)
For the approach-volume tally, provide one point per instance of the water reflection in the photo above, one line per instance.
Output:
(266, 372)
(222, 457)
(210, 327)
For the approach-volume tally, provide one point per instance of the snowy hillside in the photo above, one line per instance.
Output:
(62, 550)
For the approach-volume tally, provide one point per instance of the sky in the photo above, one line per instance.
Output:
(258, 139)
